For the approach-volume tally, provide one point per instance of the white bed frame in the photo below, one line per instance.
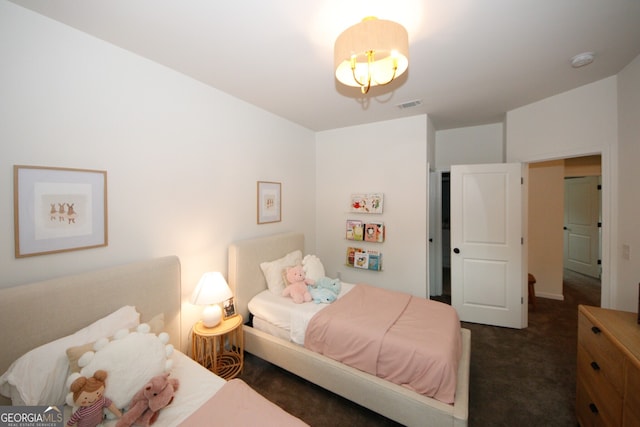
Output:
(37, 313)
(391, 400)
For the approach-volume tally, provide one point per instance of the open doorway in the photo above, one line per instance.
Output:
(555, 234)
(442, 234)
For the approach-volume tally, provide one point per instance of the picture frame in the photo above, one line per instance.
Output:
(229, 308)
(269, 202)
(58, 209)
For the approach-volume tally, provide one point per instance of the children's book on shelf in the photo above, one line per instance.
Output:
(364, 259)
(375, 260)
(374, 232)
(351, 253)
(361, 260)
(355, 230)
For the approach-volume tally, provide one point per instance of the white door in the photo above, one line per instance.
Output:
(487, 281)
(581, 225)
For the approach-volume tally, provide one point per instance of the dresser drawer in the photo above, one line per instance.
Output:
(599, 393)
(601, 350)
(588, 415)
(631, 411)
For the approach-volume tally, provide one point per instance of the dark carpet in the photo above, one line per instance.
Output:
(518, 377)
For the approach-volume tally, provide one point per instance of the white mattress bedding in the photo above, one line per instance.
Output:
(281, 312)
(197, 385)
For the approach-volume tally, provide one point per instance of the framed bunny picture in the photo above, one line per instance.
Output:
(58, 209)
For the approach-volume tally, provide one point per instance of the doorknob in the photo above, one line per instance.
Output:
(456, 250)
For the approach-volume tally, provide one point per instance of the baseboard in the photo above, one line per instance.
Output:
(547, 295)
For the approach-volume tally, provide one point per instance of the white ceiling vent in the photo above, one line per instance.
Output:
(410, 104)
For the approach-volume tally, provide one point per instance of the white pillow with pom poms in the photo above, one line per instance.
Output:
(130, 359)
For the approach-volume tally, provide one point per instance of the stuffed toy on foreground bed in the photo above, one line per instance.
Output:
(88, 396)
(146, 403)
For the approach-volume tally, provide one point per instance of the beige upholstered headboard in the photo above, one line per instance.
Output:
(245, 276)
(37, 313)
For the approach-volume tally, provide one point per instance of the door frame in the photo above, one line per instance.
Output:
(608, 241)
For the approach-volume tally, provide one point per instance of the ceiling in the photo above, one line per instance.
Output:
(470, 61)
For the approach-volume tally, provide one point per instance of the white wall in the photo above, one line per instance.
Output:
(182, 158)
(469, 145)
(386, 157)
(579, 122)
(629, 177)
(545, 221)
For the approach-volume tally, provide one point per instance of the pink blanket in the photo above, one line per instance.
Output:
(238, 405)
(407, 340)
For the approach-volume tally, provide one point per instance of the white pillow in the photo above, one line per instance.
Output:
(131, 359)
(313, 268)
(273, 270)
(39, 376)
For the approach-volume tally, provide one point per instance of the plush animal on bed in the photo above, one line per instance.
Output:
(297, 287)
(88, 395)
(146, 403)
(325, 290)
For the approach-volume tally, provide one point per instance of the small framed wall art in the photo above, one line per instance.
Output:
(269, 202)
(58, 209)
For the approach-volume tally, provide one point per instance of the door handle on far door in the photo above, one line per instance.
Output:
(456, 250)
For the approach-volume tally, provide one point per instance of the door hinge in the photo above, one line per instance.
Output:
(599, 225)
(522, 240)
(521, 180)
(522, 300)
(599, 186)
(599, 262)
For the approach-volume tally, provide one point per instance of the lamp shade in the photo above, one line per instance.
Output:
(211, 290)
(370, 53)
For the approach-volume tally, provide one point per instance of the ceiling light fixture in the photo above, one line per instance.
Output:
(371, 53)
(582, 59)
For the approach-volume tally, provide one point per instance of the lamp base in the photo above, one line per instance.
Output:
(212, 316)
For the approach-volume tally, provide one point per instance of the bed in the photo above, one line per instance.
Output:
(40, 318)
(396, 402)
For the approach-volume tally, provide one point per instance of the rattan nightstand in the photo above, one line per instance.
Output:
(219, 349)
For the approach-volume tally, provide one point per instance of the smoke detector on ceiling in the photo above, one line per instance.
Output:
(582, 59)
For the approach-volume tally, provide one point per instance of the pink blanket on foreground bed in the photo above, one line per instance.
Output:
(238, 405)
(411, 341)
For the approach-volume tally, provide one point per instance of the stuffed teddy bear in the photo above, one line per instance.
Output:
(297, 287)
(144, 407)
(325, 290)
(88, 395)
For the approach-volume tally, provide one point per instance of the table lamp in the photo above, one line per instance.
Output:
(212, 289)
